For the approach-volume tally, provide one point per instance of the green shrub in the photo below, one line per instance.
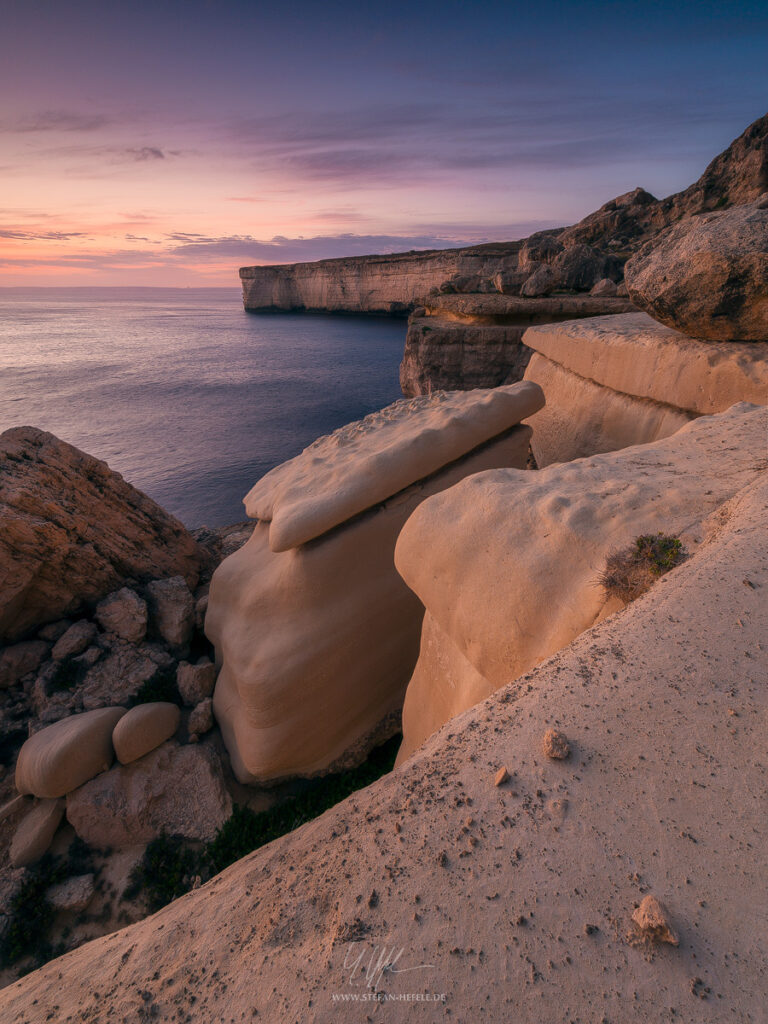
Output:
(631, 573)
(247, 830)
(31, 915)
(165, 872)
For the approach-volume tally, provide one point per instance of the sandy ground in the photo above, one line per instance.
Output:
(513, 903)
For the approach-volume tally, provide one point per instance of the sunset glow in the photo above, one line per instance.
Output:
(147, 146)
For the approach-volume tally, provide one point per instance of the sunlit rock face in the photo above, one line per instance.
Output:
(615, 381)
(508, 564)
(316, 633)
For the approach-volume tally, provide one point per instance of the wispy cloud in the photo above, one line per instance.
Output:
(56, 121)
(36, 236)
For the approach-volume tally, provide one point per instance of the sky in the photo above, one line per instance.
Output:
(169, 143)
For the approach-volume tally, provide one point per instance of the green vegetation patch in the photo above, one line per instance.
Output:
(631, 573)
(161, 687)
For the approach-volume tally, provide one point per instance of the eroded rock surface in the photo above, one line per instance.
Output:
(674, 807)
(507, 563)
(316, 643)
(71, 531)
(615, 381)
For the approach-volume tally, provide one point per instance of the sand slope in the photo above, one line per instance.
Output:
(665, 706)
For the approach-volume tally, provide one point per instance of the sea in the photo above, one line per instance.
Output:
(181, 391)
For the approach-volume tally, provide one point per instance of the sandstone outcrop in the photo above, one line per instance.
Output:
(460, 342)
(144, 728)
(615, 381)
(65, 755)
(317, 641)
(507, 563)
(71, 531)
(708, 276)
(173, 790)
(664, 794)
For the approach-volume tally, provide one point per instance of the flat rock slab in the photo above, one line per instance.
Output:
(364, 463)
(637, 356)
(66, 754)
(519, 310)
(173, 790)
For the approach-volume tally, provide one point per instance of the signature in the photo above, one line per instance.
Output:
(368, 965)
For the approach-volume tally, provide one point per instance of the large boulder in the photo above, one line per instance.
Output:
(508, 564)
(615, 381)
(66, 754)
(316, 633)
(71, 531)
(708, 276)
(173, 790)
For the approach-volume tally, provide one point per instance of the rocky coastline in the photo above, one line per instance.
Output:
(545, 567)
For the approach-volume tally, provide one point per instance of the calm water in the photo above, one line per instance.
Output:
(182, 392)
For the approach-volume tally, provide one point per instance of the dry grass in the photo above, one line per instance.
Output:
(631, 573)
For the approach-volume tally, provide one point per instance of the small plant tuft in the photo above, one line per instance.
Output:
(165, 872)
(631, 573)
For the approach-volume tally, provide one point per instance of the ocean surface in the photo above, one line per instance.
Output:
(181, 391)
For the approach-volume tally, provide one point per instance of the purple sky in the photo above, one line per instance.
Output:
(170, 143)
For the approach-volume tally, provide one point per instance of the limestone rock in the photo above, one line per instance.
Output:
(75, 640)
(615, 381)
(201, 719)
(173, 790)
(53, 630)
(72, 895)
(123, 613)
(195, 682)
(652, 919)
(173, 611)
(316, 643)
(363, 463)
(502, 776)
(71, 530)
(707, 276)
(579, 267)
(301, 900)
(63, 756)
(506, 563)
(143, 728)
(20, 659)
(35, 833)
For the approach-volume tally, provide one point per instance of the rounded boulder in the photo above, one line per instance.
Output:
(144, 728)
(68, 753)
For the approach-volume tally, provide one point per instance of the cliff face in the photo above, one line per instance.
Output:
(572, 259)
(460, 342)
(390, 285)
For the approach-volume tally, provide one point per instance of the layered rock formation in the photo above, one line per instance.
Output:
(71, 531)
(316, 633)
(574, 258)
(507, 563)
(389, 285)
(475, 341)
(519, 897)
(615, 381)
